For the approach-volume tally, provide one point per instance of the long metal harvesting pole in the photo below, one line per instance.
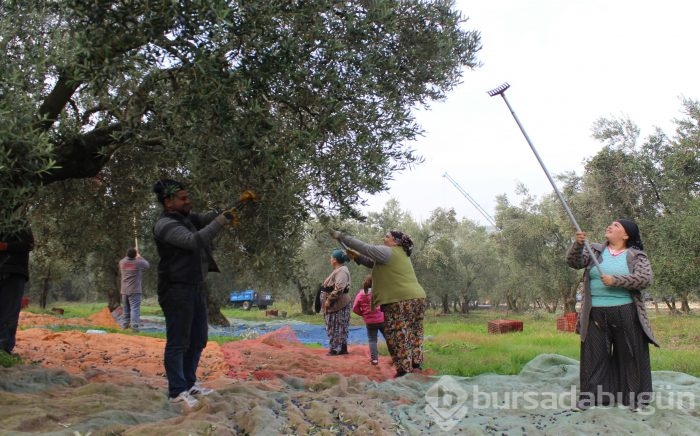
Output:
(469, 198)
(501, 91)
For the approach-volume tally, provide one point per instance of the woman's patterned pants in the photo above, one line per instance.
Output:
(403, 331)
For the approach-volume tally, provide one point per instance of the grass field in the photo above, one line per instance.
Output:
(461, 344)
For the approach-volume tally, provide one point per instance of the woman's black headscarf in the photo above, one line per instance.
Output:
(632, 230)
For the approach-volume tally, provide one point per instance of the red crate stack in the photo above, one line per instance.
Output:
(567, 323)
(498, 326)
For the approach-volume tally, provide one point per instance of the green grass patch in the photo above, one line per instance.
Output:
(70, 310)
(9, 360)
(462, 345)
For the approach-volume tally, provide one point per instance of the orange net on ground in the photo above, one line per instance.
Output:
(280, 354)
(277, 354)
(103, 318)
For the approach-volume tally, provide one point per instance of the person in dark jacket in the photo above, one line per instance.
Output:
(14, 274)
(613, 324)
(184, 242)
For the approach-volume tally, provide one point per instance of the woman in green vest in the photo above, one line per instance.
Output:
(397, 291)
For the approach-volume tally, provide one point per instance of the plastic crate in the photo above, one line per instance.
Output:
(567, 323)
(571, 316)
(498, 326)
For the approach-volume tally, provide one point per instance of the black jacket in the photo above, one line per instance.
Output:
(179, 265)
(15, 259)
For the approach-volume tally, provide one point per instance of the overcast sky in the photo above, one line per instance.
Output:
(568, 64)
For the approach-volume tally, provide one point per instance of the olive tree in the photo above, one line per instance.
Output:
(308, 103)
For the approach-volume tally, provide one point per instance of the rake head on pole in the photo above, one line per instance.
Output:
(500, 90)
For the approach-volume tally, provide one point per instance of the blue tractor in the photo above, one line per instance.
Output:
(249, 298)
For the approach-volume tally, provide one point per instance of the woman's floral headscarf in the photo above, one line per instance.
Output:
(403, 240)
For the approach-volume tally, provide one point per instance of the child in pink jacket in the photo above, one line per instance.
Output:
(374, 319)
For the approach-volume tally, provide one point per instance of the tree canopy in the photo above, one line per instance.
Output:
(301, 101)
(307, 103)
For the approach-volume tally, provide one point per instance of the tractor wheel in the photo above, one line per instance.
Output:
(247, 305)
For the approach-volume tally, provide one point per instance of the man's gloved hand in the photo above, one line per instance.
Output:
(243, 200)
(335, 234)
(231, 215)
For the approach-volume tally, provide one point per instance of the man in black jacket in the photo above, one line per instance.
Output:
(14, 273)
(184, 242)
